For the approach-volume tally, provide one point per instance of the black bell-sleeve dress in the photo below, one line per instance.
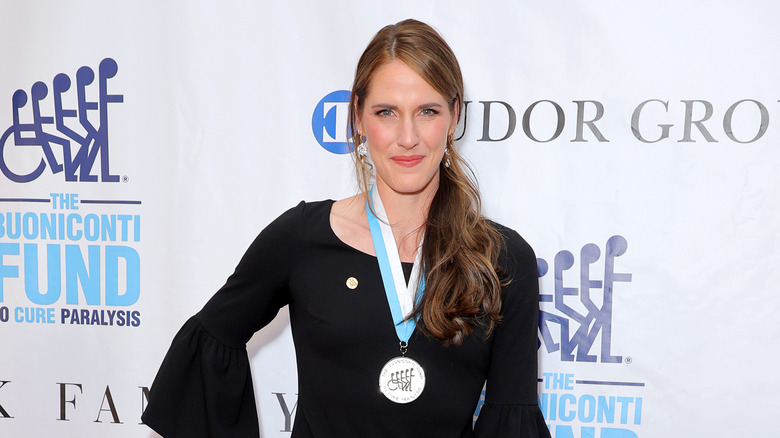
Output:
(343, 337)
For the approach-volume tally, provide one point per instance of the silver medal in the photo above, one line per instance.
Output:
(402, 380)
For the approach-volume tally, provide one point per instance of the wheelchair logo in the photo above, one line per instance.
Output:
(79, 143)
(580, 309)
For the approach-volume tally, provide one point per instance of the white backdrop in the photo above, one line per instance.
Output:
(655, 224)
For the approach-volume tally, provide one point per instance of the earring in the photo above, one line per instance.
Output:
(362, 151)
(450, 141)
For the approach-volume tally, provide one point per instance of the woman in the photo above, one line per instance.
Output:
(403, 299)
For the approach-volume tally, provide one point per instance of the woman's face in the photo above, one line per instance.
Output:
(406, 123)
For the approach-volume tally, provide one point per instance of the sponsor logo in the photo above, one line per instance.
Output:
(544, 121)
(84, 256)
(96, 405)
(576, 325)
(74, 135)
(329, 122)
(575, 408)
(66, 258)
(580, 316)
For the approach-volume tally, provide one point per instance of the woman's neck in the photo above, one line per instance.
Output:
(407, 215)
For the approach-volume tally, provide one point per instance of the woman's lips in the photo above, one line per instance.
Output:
(408, 160)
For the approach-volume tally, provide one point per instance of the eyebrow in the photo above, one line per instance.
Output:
(395, 107)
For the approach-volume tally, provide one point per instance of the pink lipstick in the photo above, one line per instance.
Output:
(408, 160)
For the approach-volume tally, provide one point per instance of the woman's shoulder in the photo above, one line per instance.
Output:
(303, 217)
(306, 211)
(516, 253)
(311, 208)
(512, 240)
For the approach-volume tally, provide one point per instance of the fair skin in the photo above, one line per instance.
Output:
(405, 122)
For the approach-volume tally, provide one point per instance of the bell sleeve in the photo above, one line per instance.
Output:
(511, 407)
(204, 385)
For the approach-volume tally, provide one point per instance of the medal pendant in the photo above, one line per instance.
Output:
(402, 380)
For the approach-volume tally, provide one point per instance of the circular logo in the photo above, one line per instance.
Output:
(329, 122)
(402, 380)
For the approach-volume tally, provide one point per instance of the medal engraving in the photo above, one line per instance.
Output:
(402, 380)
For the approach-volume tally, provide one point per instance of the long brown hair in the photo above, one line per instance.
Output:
(461, 248)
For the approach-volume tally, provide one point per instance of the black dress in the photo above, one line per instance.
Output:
(343, 338)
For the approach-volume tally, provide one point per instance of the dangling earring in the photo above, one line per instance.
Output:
(362, 151)
(450, 141)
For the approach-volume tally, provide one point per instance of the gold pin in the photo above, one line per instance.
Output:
(352, 282)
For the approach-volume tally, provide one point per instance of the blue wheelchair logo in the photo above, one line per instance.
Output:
(577, 308)
(92, 142)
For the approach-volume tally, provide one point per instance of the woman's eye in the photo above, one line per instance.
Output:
(384, 113)
(429, 112)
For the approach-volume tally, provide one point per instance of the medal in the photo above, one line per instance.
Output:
(402, 379)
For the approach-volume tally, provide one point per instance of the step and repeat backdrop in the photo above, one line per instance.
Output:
(143, 145)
